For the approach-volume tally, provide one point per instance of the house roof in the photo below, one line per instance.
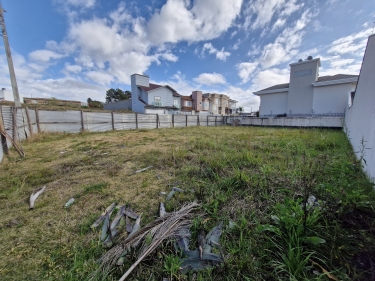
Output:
(155, 86)
(335, 77)
(150, 87)
(186, 98)
(320, 79)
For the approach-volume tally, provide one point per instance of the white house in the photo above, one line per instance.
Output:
(307, 94)
(153, 98)
(6, 95)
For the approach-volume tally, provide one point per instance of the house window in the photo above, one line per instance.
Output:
(157, 99)
(175, 103)
(188, 103)
(215, 107)
(216, 101)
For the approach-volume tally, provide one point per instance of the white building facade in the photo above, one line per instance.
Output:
(307, 94)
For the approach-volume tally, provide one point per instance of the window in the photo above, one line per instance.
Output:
(215, 107)
(188, 103)
(175, 103)
(216, 101)
(157, 99)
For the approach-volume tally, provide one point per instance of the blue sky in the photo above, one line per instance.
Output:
(75, 49)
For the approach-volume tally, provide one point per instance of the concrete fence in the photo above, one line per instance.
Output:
(308, 122)
(21, 123)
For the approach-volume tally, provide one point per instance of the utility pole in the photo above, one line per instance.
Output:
(9, 58)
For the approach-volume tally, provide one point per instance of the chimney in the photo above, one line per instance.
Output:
(197, 100)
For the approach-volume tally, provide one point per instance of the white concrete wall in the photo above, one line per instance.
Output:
(332, 98)
(322, 122)
(273, 103)
(300, 97)
(360, 117)
(154, 111)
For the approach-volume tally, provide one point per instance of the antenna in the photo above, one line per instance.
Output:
(12, 75)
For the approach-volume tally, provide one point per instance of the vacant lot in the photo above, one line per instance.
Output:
(253, 179)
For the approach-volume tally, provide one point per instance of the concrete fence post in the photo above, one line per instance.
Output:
(15, 129)
(136, 121)
(172, 120)
(215, 120)
(82, 122)
(113, 120)
(37, 119)
(29, 120)
(186, 120)
(157, 121)
(4, 144)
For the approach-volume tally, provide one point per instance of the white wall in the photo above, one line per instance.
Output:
(321, 122)
(164, 93)
(6, 95)
(277, 103)
(332, 98)
(154, 111)
(360, 117)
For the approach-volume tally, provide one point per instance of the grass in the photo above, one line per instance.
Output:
(255, 179)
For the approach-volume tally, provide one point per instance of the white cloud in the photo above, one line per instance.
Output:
(279, 23)
(72, 68)
(81, 3)
(100, 77)
(210, 79)
(270, 77)
(205, 19)
(350, 44)
(44, 55)
(258, 14)
(286, 44)
(220, 55)
(245, 69)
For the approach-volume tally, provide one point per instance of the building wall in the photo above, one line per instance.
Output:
(197, 100)
(154, 111)
(302, 75)
(164, 93)
(120, 105)
(360, 117)
(137, 105)
(6, 95)
(178, 101)
(273, 104)
(332, 98)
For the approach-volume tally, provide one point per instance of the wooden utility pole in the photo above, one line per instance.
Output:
(12, 75)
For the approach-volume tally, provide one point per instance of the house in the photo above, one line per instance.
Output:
(163, 99)
(307, 93)
(153, 98)
(208, 103)
(6, 95)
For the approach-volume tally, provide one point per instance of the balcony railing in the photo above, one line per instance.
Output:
(158, 103)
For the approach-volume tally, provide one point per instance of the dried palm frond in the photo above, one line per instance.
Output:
(161, 229)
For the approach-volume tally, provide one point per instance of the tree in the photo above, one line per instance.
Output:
(94, 103)
(117, 95)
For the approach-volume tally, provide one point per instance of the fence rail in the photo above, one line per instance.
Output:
(21, 123)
